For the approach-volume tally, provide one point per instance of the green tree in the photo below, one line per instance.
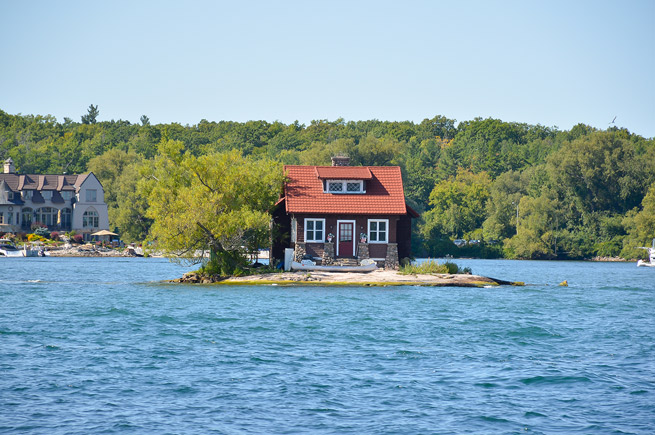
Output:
(209, 203)
(458, 205)
(91, 115)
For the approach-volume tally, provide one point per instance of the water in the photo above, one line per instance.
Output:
(100, 346)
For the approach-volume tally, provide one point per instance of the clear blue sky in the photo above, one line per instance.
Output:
(556, 63)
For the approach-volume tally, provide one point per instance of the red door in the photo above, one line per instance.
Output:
(345, 239)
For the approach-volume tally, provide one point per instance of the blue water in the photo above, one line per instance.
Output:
(101, 346)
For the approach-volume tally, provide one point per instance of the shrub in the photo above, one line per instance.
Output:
(78, 238)
(54, 235)
(35, 238)
(432, 267)
(42, 231)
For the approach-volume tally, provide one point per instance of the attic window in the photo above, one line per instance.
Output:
(344, 186)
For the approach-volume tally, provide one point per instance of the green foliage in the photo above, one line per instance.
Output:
(432, 267)
(581, 193)
(91, 116)
(458, 205)
(208, 203)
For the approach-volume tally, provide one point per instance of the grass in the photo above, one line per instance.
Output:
(431, 267)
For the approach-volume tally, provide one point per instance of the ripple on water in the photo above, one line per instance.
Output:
(149, 358)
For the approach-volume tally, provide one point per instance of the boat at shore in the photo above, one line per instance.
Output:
(651, 257)
(333, 268)
(9, 249)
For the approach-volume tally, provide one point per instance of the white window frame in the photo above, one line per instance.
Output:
(47, 195)
(314, 240)
(386, 221)
(67, 195)
(344, 185)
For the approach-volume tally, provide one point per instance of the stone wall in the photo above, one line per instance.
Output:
(391, 261)
(328, 254)
(299, 251)
(362, 251)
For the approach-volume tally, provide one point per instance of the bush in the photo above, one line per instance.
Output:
(78, 238)
(432, 267)
(54, 235)
(42, 232)
(35, 238)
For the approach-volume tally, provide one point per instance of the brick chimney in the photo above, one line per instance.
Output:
(340, 161)
(9, 166)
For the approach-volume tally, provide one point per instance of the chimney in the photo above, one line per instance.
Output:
(340, 161)
(9, 166)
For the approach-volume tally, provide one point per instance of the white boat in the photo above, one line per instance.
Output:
(651, 257)
(307, 266)
(8, 249)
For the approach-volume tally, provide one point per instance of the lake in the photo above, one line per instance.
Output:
(92, 345)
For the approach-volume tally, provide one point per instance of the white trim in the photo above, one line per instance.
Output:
(344, 184)
(322, 239)
(378, 242)
(354, 236)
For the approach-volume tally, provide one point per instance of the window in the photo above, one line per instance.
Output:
(66, 214)
(47, 195)
(341, 186)
(90, 218)
(91, 195)
(335, 186)
(27, 194)
(2, 218)
(314, 230)
(378, 230)
(67, 195)
(47, 216)
(10, 196)
(27, 215)
(354, 186)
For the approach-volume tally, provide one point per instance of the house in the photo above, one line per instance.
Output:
(60, 202)
(339, 212)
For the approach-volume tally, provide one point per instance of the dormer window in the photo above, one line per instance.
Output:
(27, 195)
(47, 195)
(344, 186)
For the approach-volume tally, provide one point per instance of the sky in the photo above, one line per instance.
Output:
(554, 63)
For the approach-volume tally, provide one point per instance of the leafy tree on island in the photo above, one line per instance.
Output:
(209, 204)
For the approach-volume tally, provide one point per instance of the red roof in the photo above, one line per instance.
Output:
(384, 190)
(343, 172)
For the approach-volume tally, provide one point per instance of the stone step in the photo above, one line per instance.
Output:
(348, 262)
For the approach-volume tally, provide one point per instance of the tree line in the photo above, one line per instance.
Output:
(524, 191)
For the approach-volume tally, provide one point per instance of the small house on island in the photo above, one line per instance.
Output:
(341, 214)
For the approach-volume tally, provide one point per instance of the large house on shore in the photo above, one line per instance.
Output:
(60, 202)
(343, 213)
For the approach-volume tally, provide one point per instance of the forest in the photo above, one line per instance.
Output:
(524, 191)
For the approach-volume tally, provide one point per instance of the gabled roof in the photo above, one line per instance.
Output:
(384, 190)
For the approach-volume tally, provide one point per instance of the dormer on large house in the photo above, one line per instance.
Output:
(60, 202)
(341, 212)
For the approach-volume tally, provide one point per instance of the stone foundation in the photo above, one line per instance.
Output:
(362, 252)
(328, 254)
(391, 261)
(299, 251)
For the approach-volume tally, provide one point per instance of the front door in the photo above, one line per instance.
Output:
(345, 247)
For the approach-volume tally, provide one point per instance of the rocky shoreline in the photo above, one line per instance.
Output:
(376, 278)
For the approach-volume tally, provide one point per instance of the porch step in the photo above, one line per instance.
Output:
(348, 262)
